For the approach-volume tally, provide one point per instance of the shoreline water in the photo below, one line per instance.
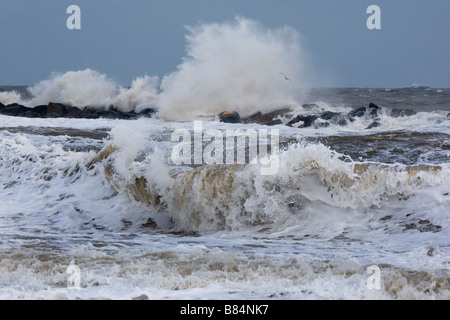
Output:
(345, 199)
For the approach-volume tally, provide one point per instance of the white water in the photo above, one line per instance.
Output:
(241, 64)
(297, 243)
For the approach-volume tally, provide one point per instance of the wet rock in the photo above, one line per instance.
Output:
(274, 122)
(373, 113)
(294, 121)
(373, 110)
(374, 125)
(41, 109)
(127, 115)
(114, 114)
(267, 118)
(448, 115)
(31, 114)
(340, 120)
(323, 124)
(328, 115)
(308, 121)
(149, 112)
(89, 113)
(14, 109)
(55, 110)
(2, 106)
(229, 117)
(73, 113)
(396, 112)
(357, 112)
(373, 106)
(107, 114)
(254, 118)
(276, 113)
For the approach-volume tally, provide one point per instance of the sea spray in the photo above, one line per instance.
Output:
(235, 196)
(90, 88)
(238, 66)
(77, 88)
(8, 97)
(287, 241)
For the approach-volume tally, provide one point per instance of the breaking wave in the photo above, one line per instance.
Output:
(216, 197)
(237, 66)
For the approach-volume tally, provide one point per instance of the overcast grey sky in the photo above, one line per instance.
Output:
(126, 39)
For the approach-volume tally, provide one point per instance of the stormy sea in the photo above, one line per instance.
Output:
(229, 178)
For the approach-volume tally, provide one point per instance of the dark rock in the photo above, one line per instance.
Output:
(448, 115)
(229, 117)
(14, 109)
(267, 118)
(31, 114)
(147, 112)
(274, 122)
(2, 106)
(89, 113)
(307, 120)
(323, 124)
(55, 110)
(340, 120)
(373, 113)
(328, 115)
(374, 125)
(277, 113)
(396, 113)
(127, 115)
(295, 120)
(254, 118)
(373, 106)
(373, 110)
(41, 109)
(333, 117)
(357, 112)
(115, 114)
(73, 113)
(107, 114)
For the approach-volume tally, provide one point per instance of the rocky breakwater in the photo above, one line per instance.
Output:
(59, 110)
(314, 118)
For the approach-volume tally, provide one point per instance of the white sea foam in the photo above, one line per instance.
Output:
(215, 197)
(281, 236)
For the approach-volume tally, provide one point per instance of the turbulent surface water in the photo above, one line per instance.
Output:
(104, 195)
(96, 209)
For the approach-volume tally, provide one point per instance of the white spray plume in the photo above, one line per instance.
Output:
(237, 66)
(89, 88)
